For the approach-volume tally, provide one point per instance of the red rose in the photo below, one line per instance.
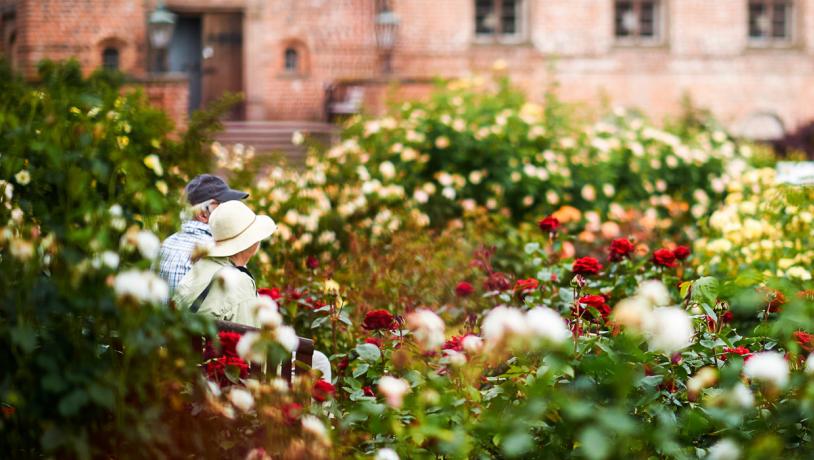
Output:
(497, 281)
(291, 412)
(312, 262)
(664, 257)
(586, 266)
(596, 301)
(681, 252)
(455, 343)
(274, 293)
(228, 345)
(805, 340)
(375, 341)
(322, 391)
(549, 224)
(343, 364)
(529, 284)
(620, 248)
(216, 369)
(368, 391)
(379, 319)
(464, 289)
(740, 351)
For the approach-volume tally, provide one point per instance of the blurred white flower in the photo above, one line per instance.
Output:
(17, 215)
(148, 244)
(241, 399)
(313, 425)
(448, 192)
(393, 390)
(110, 259)
(421, 196)
(8, 189)
(725, 449)
(115, 210)
(767, 367)
(246, 347)
(386, 454)
(588, 192)
(387, 169)
(668, 329)
(297, 138)
(266, 312)
(143, 286)
(287, 337)
(428, 328)
(799, 272)
(503, 321)
(809, 369)
(742, 396)
(547, 324)
(655, 292)
(472, 344)
(442, 142)
(23, 177)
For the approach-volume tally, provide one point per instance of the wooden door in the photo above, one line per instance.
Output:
(222, 50)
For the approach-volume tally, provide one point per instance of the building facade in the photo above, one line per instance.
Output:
(750, 61)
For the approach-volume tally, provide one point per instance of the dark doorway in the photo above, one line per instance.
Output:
(223, 58)
(185, 55)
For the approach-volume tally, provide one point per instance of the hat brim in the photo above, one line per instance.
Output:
(262, 228)
(231, 195)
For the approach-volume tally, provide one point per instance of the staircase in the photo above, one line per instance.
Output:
(275, 136)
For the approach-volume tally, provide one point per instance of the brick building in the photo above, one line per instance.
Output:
(750, 61)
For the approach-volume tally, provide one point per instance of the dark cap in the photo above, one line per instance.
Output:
(209, 187)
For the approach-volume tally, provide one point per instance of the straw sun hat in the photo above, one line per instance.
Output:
(235, 227)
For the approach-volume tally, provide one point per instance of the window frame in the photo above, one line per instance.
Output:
(660, 25)
(769, 41)
(520, 36)
(296, 70)
(118, 53)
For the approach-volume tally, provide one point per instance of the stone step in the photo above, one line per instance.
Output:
(275, 136)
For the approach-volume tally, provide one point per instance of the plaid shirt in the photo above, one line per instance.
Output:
(177, 249)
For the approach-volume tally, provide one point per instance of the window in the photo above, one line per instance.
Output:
(110, 58)
(638, 20)
(292, 60)
(498, 18)
(770, 21)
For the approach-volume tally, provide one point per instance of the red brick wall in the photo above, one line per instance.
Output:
(169, 93)
(60, 29)
(705, 52)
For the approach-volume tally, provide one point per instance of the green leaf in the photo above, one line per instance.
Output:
(705, 290)
(368, 352)
(232, 373)
(70, 405)
(361, 369)
(101, 395)
(517, 443)
(25, 337)
(594, 443)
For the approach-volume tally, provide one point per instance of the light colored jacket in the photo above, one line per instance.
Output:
(230, 300)
(231, 297)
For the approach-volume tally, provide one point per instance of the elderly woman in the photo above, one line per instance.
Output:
(220, 285)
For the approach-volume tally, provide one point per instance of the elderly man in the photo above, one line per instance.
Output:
(204, 193)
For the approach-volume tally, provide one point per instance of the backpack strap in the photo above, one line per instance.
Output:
(196, 305)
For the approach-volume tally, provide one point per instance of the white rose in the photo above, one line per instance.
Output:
(393, 390)
(287, 337)
(472, 344)
(142, 286)
(247, 350)
(502, 321)
(313, 425)
(547, 324)
(428, 328)
(725, 449)
(655, 292)
(768, 367)
(241, 399)
(148, 244)
(668, 329)
(386, 454)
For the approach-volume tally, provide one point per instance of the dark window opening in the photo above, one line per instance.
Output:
(637, 20)
(110, 59)
(292, 60)
(771, 20)
(498, 17)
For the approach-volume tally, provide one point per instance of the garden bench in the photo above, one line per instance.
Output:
(299, 363)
